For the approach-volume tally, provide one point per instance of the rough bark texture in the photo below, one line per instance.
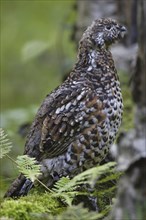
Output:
(131, 197)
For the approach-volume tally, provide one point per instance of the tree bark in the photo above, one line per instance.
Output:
(131, 197)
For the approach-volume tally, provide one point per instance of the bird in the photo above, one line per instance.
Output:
(78, 121)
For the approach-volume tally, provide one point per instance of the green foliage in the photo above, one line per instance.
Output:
(26, 207)
(73, 213)
(33, 206)
(28, 167)
(90, 176)
(105, 189)
(38, 30)
(67, 189)
(5, 144)
(45, 205)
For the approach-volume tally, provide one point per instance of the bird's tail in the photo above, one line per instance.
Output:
(20, 187)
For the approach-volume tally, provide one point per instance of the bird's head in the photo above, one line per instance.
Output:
(104, 32)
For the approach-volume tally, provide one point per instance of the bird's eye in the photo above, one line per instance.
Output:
(108, 27)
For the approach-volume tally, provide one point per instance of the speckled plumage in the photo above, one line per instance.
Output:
(77, 123)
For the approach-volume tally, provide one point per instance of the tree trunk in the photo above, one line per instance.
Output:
(130, 203)
(131, 197)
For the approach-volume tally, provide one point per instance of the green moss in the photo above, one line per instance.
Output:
(45, 205)
(25, 207)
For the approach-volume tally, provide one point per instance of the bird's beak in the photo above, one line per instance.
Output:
(122, 31)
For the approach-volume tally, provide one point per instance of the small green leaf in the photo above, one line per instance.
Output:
(28, 166)
(5, 144)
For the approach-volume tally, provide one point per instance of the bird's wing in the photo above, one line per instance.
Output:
(70, 113)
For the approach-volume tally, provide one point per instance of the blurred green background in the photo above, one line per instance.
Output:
(34, 37)
(36, 51)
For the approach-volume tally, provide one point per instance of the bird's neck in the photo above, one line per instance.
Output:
(90, 54)
(91, 58)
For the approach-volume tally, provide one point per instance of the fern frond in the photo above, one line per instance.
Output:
(60, 184)
(5, 144)
(65, 188)
(28, 167)
(111, 177)
(89, 176)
